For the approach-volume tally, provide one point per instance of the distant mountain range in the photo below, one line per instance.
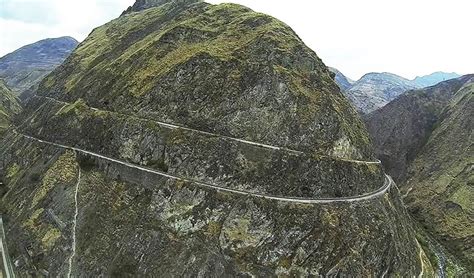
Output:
(434, 78)
(26, 66)
(375, 90)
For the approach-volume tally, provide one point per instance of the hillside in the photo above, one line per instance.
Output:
(26, 67)
(9, 106)
(198, 140)
(400, 129)
(424, 140)
(440, 188)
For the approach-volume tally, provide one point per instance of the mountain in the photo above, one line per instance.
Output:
(26, 66)
(375, 90)
(402, 127)
(434, 78)
(342, 81)
(440, 188)
(190, 139)
(9, 106)
(424, 140)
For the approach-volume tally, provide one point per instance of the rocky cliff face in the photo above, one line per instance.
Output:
(27, 66)
(9, 106)
(209, 141)
(375, 90)
(425, 141)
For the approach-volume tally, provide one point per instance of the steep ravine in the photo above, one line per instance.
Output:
(424, 140)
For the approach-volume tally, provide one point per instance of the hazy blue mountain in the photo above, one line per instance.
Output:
(342, 81)
(26, 66)
(434, 78)
(374, 90)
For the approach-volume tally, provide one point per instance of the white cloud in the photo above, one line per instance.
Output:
(406, 37)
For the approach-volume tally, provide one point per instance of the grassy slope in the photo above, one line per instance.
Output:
(9, 106)
(132, 56)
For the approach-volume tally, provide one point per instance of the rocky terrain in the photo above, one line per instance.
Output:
(26, 67)
(9, 106)
(424, 140)
(198, 140)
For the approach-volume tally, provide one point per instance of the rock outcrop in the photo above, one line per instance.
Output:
(200, 133)
(26, 67)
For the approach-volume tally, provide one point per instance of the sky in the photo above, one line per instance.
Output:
(405, 37)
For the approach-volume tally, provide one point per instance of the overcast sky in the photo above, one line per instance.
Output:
(405, 37)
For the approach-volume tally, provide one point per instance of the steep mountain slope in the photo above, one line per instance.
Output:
(26, 66)
(197, 139)
(9, 106)
(441, 184)
(424, 140)
(375, 90)
(434, 78)
(400, 129)
(342, 81)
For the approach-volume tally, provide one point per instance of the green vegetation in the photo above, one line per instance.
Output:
(442, 193)
(9, 106)
(122, 63)
(76, 108)
(64, 171)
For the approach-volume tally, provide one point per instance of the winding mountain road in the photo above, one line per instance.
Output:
(371, 195)
(174, 126)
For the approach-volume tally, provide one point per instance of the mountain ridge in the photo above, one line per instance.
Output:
(375, 89)
(26, 66)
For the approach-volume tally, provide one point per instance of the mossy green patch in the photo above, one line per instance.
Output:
(464, 197)
(32, 222)
(62, 172)
(50, 238)
(77, 108)
(12, 171)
